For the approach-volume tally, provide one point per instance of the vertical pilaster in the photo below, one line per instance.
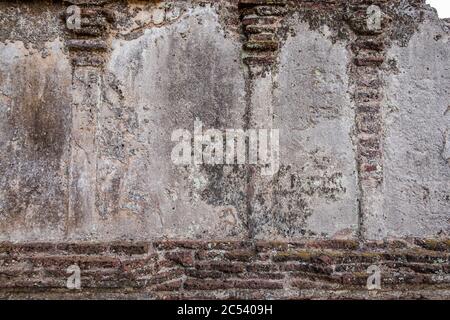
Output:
(87, 26)
(261, 22)
(369, 23)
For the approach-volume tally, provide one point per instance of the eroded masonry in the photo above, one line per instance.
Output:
(92, 90)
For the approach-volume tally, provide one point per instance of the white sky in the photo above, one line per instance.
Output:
(442, 6)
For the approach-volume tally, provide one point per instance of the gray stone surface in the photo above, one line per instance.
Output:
(160, 82)
(316, 190)
(417, 122)
(85, 144)
(34, 141)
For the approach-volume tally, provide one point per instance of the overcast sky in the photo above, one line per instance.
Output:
(442, 6)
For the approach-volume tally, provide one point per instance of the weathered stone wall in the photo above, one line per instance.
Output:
(87, 114)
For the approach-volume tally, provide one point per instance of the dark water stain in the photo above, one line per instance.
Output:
(36, 133)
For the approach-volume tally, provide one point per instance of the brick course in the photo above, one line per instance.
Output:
(227, 269)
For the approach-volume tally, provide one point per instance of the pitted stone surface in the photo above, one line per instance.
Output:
(417, 121)
(168, 78)
(315, 191)
(86, 118)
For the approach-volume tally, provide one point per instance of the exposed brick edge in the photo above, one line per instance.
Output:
(368, 48)
(261, 21)
(88, 44)
(336, 269)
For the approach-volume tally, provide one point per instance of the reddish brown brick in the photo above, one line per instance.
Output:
(240, 255)
(207, 284)
(222, 266)
(169, 286)
(184, 258)
(133, 249)
(257, 284)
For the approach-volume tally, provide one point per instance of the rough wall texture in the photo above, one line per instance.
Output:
(331, 269)
(87, 114)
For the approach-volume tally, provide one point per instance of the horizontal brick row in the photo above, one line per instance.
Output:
(174, 269)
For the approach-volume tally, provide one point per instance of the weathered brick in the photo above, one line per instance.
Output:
(244, 3)
(260, 28)
(257, 284)
(87, 44)
(259, 60)
(271, 245)
(333, 244)
(208, 254)
(26, 248)
(255, 37)
(303, 255)
(184, 258)
(261, 267)
(369, 61)
(261, 45)
(84, 262)
(271, 10)
(262, 275)
(222, 266)
(240, 255)
(204, 274)
(207, 284)
(169, 286)
(166, 276)
(436, 245)
(82, 248)
(135, 249)
(306, 267)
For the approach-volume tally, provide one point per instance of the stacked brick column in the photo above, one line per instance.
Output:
(368, 49)
(88, 43)
(261, 22)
